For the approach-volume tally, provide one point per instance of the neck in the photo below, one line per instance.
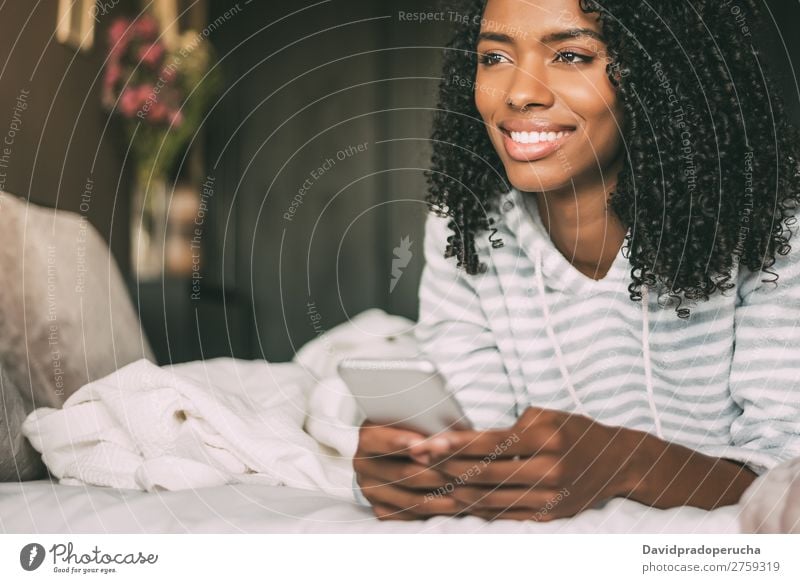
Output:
(580, 224)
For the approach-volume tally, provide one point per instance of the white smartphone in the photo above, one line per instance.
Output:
(406, 393)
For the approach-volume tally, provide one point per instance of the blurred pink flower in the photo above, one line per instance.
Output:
(151, 54)
(117, 31)
(129, 101)
(158, 113)
(113, 73)
(146, 28)
(146, 93)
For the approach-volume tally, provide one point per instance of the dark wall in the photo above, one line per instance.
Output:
(343, 91)
(783, 44)
(63, 142)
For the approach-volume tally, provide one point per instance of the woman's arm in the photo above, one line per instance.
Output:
(553, 464)
(664, 475)
(764, 378)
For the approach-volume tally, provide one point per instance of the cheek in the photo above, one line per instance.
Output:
(491, 90)
(592, 101)
(599, 109)
(488, 98)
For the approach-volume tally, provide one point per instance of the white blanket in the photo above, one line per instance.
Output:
(147, 428)
(220, 421)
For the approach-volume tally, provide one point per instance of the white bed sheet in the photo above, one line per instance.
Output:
(48, 507)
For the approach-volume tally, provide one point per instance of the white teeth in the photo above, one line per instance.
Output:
(536, 137)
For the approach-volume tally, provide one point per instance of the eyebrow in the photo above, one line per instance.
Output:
(548, 38)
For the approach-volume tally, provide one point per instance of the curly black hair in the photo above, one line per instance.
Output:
(710, 176)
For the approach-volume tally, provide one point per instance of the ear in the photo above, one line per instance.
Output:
(616, 72)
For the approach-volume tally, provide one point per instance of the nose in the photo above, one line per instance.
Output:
(530, 88)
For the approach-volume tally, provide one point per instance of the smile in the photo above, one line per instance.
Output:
(530, 146)
(535, 137)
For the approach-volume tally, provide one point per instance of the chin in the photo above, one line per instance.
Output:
(524, 178)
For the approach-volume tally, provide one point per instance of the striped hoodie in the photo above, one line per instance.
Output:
(532, 330)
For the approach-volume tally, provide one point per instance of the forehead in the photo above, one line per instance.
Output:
(536, 17)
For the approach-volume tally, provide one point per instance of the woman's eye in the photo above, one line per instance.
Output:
(490, 59)
(570, 56)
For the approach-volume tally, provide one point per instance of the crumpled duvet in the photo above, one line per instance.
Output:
(219, 421)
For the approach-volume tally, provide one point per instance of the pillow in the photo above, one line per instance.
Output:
(18, 459)
(65, 319)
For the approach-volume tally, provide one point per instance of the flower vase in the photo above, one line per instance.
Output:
(149, 227)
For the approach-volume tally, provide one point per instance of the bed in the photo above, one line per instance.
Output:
(296, 424)
(78, 506)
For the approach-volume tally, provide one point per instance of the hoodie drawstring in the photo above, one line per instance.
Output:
(648, 372)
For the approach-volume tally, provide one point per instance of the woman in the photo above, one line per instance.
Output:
(609, 287)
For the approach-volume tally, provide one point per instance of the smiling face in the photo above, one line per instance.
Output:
(542, 89)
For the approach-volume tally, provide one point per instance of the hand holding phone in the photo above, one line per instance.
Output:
(406, 403)
(408, 393)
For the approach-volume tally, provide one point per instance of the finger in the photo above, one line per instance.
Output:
(503, 443)
(490, 444)
(476, 498)
(538, 471)
(522, 514)
(423, 449)
(512, 514)
(383, 512)
(401, 472)
(384, 440)
(418, 443)
(413, 501)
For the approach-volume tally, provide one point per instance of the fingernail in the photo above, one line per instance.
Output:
(440, 442)
(423, 459)
(401, 442)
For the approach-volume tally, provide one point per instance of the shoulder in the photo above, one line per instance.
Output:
(435, 224)
(786, 266)
(437, 230)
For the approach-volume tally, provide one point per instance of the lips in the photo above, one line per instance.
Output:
(533, 125)
(528, 140)
(529, 146)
